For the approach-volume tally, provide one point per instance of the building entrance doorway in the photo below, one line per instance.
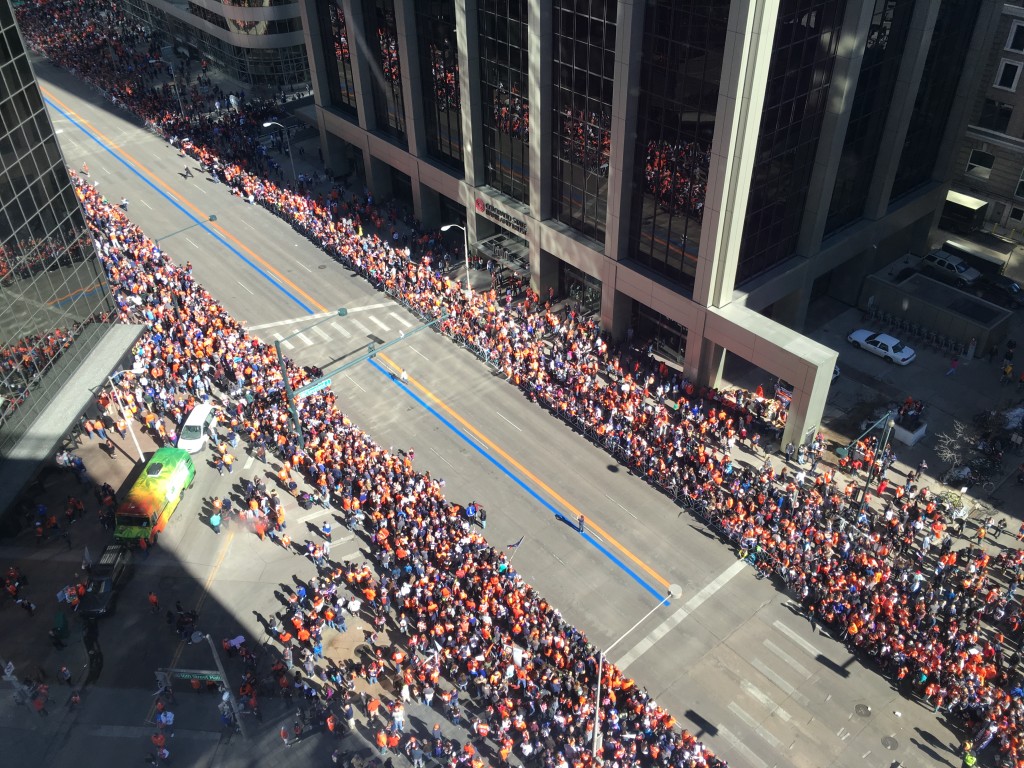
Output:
(579, 287)
(667, 337)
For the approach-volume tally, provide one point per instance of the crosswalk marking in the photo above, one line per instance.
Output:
(755, 726)
(359, 326)
(781, 683)
(379, 324)
(341, 329)
(321, 333)
(795, 665)
(400, 319)
(764, 700)
(795, 637)
(285, 344)
(740, 748)
(304, 339)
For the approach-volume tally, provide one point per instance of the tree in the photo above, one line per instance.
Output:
(951, 447)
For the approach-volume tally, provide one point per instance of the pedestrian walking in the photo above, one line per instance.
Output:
(166, 721)
(65, 675)
(154, 603)
(285, 736)
(953, 364)
(581, 523)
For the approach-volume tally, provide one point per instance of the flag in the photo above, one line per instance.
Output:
(516, 544)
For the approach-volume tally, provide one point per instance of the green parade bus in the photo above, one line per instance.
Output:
(144, 512)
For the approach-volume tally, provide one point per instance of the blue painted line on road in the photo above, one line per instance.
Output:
(201, 223)
(654, 590)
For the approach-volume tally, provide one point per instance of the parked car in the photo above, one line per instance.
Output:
(1001, 290)
(195, 429)
(883, 345)
(950, 269)
(106, 579)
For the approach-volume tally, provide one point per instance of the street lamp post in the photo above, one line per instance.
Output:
(889, 424)
(230, 697)
(124, 413)
(211, 218)
(174, 82)
(465, 240)
(291, 157)
(288, 393)
(674, 591)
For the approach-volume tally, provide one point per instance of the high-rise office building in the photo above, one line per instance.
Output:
(58, 338)
(989, 164)
(255, 41)
(694, 170)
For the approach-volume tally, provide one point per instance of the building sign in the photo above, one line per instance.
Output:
(500, 217)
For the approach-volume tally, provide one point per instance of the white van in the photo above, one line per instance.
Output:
(195, 431)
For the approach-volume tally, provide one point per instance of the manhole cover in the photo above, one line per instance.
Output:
(863, 710)
(890, 743)
(322, 266)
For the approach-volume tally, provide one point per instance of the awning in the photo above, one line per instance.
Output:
(41, 438)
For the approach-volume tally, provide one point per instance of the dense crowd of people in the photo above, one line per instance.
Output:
(390, 64)
(880, 568)
(677, 175)
(587, 140)
(444, 72)
(511, 112)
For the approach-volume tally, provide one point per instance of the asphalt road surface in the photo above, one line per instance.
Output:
(731, 658)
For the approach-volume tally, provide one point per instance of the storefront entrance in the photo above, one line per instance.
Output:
(668, 338)
(579, 287)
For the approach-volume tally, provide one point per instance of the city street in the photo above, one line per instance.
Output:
(731, 657)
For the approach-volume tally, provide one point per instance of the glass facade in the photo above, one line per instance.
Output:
(684, 45)
(946, 55)
(386, 61)
(883, 52)
(504, 84)
(799, 75)
(341, 82)
(52, 287)
(247, 26)
(581, 96)
(439, 65)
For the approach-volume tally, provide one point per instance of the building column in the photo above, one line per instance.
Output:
(704, 361)
(466, 33)
(841, 92)
(318, 62)
(336, 151)
(412, 95)
(539, 48)
(629, 35)
(543, 273)
(361, 72)
(378, 177)
(805, 409)
(615, 311)
(915, 53)
(748, 52)
(426, 205)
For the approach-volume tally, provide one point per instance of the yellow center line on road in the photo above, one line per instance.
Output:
(526, 472)
(184, 202)
(224, 549)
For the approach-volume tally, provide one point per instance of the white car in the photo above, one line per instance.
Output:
(195, 429)
(883, 345)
